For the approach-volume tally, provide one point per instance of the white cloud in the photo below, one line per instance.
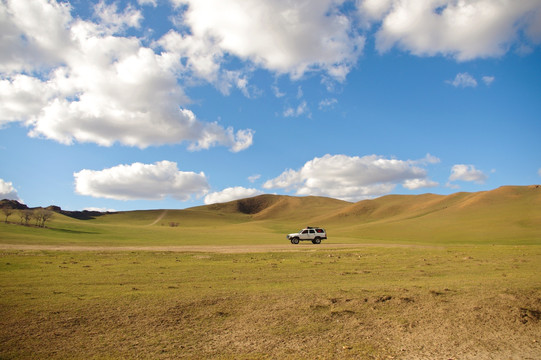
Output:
(254, 178)
(374, 9)
(300, 93)
(301, 109)
(99, 209)
(488, 80)
(285, 37)
(428, 159)
(71, 80)
(115, 21)
(276, 91)
(21, 97)
(7, 191)
(463, 29)
(327, 103)
(141, 181)
(230, 194)
(198, 56)
(353, 178)
(539, 172)
(33, 34)
(467, 173)
(413, 184)
(463, 80)
(148, 2)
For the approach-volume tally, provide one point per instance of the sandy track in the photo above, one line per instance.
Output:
(226, 249)
(158, 219)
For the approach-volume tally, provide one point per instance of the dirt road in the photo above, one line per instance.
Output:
(225, 249)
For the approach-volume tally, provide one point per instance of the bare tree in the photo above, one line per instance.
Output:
(45, 216)
(25, 216)
(36, 214)
(7, 211)
(42, 216)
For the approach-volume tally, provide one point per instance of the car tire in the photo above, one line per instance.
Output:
(316, 241)
(295, 241)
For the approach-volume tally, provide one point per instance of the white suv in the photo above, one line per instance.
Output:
(315, 234)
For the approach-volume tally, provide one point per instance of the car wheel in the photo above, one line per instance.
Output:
(295, 241)
(317, 241)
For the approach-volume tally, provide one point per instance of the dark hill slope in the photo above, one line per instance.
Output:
(279, 207)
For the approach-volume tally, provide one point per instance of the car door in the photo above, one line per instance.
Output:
(304, 235)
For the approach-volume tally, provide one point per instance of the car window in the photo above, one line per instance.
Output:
(312, 232)
(304, 232)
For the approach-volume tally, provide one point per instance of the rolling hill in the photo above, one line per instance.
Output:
(509, 214)
(506, 214)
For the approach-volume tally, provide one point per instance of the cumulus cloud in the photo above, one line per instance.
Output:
(75, 80)
(141, 181)
(461, 172)
(463, 29)
(117, 21)
(71, 80)
(7, 191)
(353, 178)
(285, 37)
(230, 194)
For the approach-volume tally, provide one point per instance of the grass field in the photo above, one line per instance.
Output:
(425, 277)
(373, 302)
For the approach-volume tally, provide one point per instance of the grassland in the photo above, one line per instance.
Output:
(423, 277)
(374, 302)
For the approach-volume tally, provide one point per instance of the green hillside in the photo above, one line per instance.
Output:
(510, 214)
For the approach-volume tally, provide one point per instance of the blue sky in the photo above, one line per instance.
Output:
(123, 105)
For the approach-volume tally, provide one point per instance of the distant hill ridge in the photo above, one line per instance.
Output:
(388, 206)
(385, 208)
(81, 215)
(276, 206)
(407, 206)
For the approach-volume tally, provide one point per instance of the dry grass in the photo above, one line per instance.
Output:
(374, 303)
